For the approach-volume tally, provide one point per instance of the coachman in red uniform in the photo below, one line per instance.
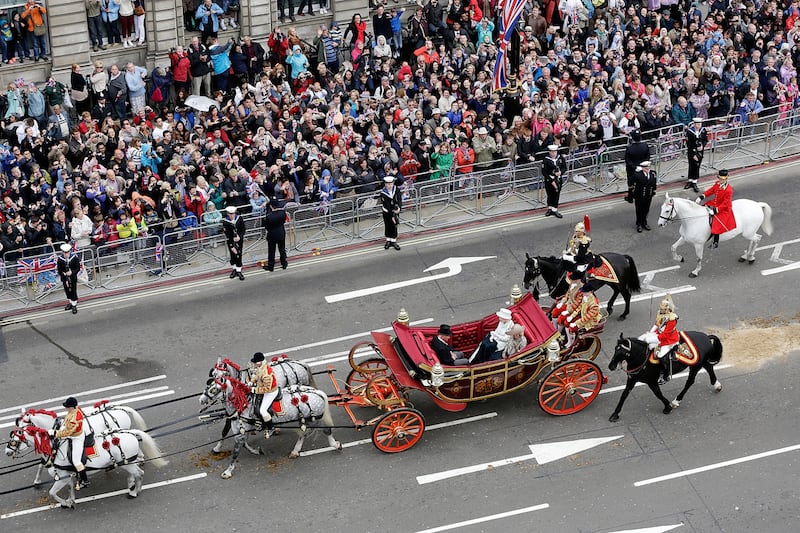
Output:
(721, 205)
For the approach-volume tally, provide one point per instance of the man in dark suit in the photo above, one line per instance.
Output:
(274, 221)
(447, 355)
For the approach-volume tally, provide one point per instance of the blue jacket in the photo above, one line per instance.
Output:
(220, 58)
(113, 10)
(208, 16)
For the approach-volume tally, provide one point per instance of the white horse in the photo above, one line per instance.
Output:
(118, 448)
(696, 229)
(306, 405)
(104, 418)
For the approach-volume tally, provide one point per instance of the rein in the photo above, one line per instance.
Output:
(629, 349)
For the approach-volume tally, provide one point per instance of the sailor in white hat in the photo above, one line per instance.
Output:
(553, 169)
(67, 265)
(391, 204)
(696, 139)
(233, 226)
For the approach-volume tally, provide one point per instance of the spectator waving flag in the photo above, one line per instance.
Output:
(510, 11)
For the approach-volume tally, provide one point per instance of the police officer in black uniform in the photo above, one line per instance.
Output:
(553, 168)
(644, 189)
(696, 139)
(636, 152)
(274, 221)
(391, 202)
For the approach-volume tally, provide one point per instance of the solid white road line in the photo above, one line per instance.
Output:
(656, 529)
(363, 334)
(428, 428)
(124, 401)
(489, 518)
(105, 495)
(84, 393)
(778, 270)
(715, 466)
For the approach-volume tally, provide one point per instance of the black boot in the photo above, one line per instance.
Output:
(714, 241)
(83, 481)
(665, 369)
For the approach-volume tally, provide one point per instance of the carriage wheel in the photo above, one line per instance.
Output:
(351, 356)
(570, 387)
(381, 391)
(398, 430)
(356, 379)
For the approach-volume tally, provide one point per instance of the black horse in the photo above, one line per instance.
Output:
(636, 354)
(554, 270)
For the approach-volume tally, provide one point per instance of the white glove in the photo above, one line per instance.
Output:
(52, 433)
(252, 390)
(564, 313)
(699, 200)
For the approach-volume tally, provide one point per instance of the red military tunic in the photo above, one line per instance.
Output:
(723, 221)
(667, 329)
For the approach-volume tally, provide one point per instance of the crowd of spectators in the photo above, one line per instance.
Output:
(389, 94)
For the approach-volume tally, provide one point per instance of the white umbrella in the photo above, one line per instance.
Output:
(201, 103)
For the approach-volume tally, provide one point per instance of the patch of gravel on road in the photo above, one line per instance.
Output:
(762, 339)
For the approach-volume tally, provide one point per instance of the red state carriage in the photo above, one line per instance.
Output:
(568, 379)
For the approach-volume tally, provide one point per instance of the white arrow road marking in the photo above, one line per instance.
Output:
(452, 264)
(498, 516)
(105, 495)
(656, 529)
(427, 428)
(778, 270)
(715, 466)
(542, 453)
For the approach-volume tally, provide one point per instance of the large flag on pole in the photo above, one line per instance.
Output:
(510, 11)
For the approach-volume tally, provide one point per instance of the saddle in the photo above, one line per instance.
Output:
(685, 352)
(602, 270)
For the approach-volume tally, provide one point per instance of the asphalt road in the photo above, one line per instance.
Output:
(168, 339)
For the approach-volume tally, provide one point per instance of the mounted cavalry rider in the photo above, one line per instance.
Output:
(79, 434)
(720, 207)
(578, 251)
(264, 386)
(663, 337)
(586, 314)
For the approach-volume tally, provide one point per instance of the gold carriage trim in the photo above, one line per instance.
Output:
(604, 272)
(686, 353)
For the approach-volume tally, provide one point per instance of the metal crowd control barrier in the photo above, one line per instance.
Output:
(189, 249)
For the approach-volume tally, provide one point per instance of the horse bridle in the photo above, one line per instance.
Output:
(670, 217)
(629, 349)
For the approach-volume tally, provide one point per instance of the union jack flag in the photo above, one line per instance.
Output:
(29, 269)
(510, 11)
(159, 252)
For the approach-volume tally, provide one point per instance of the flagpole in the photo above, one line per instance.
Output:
(512, 106)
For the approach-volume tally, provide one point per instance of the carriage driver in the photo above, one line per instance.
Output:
(663, 336)
(578, 251)
(264, 386)
(78, 433)
(586, 314)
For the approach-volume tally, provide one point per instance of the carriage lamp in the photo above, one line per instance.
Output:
(402, 316)
(516, 293)
(437, 375)
(552, 351)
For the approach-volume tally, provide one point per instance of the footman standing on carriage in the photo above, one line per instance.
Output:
(68, 265)
(74, 429)
(696, 139)
(644, 189)
(553, 168)
(264, 386)
(565, 304)
(586, 315)
(720, 206)
(664, 335)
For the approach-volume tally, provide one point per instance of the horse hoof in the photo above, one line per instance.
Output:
(675, 404)
(718, 387)
(692, 275)
(751, 261)
(667, 410)
(225, 475)
(622, 317)
(294, 455)
(70, 506)
(742, 259)
(681, 259)
(130, 496)
(338, 445)
(613, 418)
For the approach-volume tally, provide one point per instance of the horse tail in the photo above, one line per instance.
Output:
(137, 422)
(311, 381)
(716, 352)
(767, 224)
(150, 449)
(633, 278)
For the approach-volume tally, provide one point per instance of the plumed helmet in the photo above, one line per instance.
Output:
(667, 303)
(580, 227)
